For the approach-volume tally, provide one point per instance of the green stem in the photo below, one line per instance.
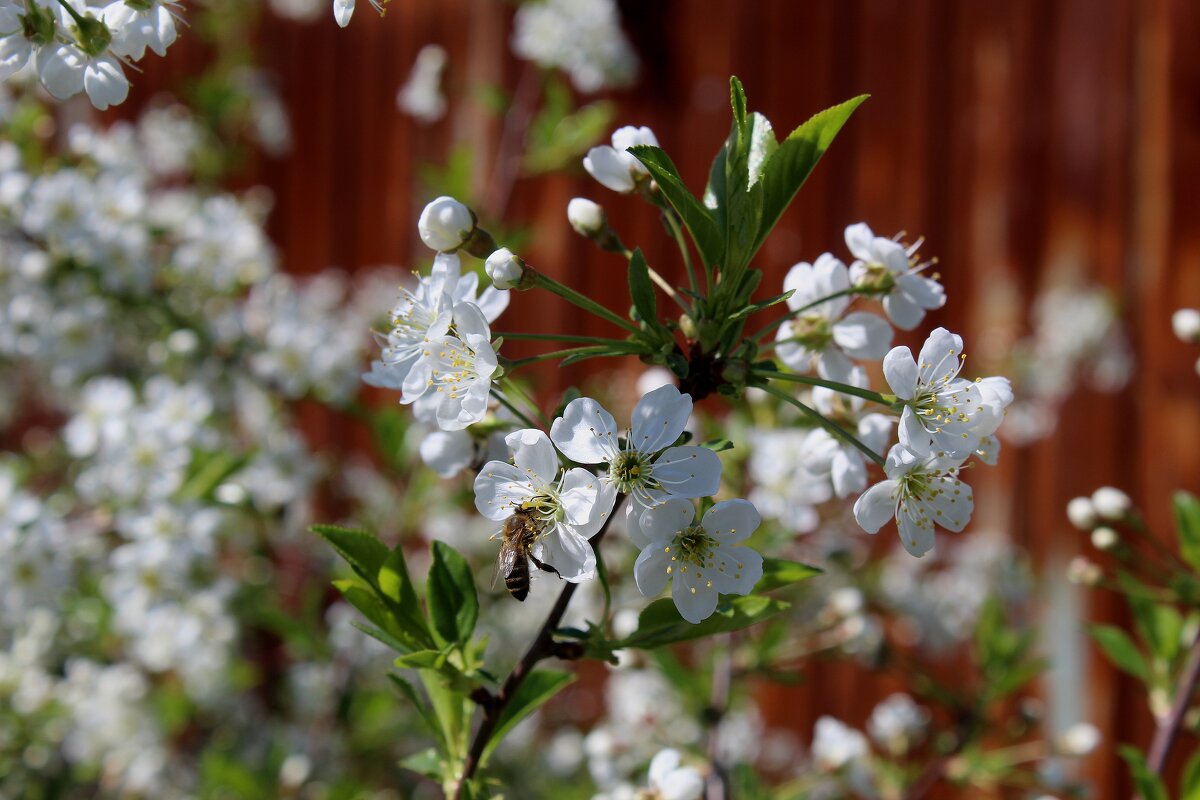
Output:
(513, 388)
(504, 401)
(676, 230)
(843, 388)
(561, 337)
(826, 423)
(586, 303)
(596, 350)
(74, 14)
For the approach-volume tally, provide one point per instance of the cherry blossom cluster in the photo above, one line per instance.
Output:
(78, 46)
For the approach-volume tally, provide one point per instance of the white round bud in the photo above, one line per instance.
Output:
(1078, 740)
(585, 216)
(445, 224)
(295, 770)
(1084, 572)
(1104, 538)
(1111, 503)
(1082, 513)
(504, 268)
(1186, 322)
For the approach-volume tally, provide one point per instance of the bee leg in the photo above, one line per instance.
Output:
(543, 566)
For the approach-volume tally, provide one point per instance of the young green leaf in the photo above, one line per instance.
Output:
(537, 688)
(1120, 650)
(450, 592)
(660, 623)
(1187, 526)
(778, 572)
(641, 290)
(1149, 785)
(414, 697)
(694, 215)
(362, 551)
(792, 163)
(427, 763)
(1189, 784)
(397, 589)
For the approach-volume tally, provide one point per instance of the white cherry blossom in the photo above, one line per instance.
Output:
(886, 265)
(942, 412)
(644, 466)
(565, 505)
(670, 780)
(820, 331)
(700, 560)
(450, 382)
(613, 166)
(920, 492)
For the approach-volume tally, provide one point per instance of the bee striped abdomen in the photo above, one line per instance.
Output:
(517, 580)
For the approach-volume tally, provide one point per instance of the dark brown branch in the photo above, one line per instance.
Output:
(1168, 729)
(543, 646)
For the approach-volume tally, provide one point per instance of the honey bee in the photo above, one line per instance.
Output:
(516, 545)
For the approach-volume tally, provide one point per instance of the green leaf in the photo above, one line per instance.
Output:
(537, 688)
(1187, 526)
(792, 163)
(450, 592)
(423, 659)
(207, 472)
(641, 290)
(719, 446)
(694, 215)
(1189, 784)
(397, 588)
(1148, 785)
(362, 551)
(409, 691)
(379, 635)
(756, 307)
(427, 763)
(364, 598)
(660, 623)
(778, 572)
(1120, 650)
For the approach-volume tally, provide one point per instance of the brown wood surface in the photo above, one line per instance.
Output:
(1013, 134)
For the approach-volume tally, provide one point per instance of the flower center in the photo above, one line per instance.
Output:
(628, 470)
(695, 546)
(878, 278)
(812, 331)
(454, 371)
(544, 506)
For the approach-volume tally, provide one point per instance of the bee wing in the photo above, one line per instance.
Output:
(505, 562)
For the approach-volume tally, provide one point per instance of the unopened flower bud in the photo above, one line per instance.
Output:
(1084, 572)
(1104, 538)
(586, 217)
(1078, 740)
(505, 269)
(445, 224)
(1186, 322)
(1082, 513)
(1111, 503)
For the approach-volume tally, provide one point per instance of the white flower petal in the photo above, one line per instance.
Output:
(606, 165)
(863, 335)
(499, 488)
(876, 506)
(650, 569)
(738, 569)
(579, 496)
(900, 371)
(586, 433)
(902, 311)
(695, 598)
(688, 471)
(659, 419)
(731, 521)
(569, 553)
(534, 455)
(663, 521)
